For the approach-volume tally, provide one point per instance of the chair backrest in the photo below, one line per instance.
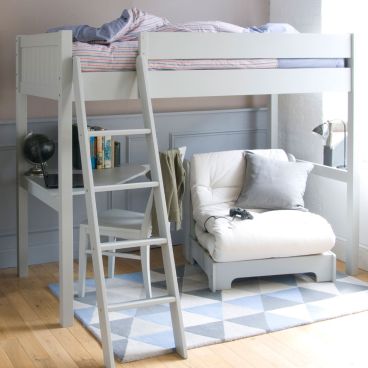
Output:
(217, 177)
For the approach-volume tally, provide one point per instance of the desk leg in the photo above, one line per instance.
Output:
(65, 211)
(22, 194)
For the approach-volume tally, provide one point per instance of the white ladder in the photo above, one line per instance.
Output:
(98, 248)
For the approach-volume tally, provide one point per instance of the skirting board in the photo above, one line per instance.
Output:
(221, 274)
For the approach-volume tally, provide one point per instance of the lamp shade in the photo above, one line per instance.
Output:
(322, 130)
(333, 133)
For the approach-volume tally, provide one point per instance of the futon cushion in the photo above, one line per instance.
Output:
(273, 184)
(217, 177)
(283, 233)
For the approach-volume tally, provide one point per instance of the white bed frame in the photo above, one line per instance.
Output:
(44, 69)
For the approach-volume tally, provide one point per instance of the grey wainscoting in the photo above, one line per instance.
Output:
(200, 131)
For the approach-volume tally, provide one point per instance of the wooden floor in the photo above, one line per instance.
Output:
(31, 337)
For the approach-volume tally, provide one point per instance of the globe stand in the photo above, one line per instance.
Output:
(35, 171)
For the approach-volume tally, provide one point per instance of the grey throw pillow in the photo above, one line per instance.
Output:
(273, 184)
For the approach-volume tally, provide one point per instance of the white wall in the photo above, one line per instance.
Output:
(300, 114)
(341, 16)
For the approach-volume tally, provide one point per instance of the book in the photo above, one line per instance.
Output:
(92, 141)
(100, 156)
(116, 154)
(112, 153)
(77, 163)
(107, 152)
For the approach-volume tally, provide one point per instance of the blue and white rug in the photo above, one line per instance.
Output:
(253, 306)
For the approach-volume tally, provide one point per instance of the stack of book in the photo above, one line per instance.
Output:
(105, 152)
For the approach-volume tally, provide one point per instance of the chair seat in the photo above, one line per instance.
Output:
(282, 233)
(117, 218)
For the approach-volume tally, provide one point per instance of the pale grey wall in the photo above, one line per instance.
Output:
(36, 16)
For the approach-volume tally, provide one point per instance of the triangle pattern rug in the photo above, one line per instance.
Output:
(251, 307)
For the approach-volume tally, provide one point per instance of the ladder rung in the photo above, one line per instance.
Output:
(112, 187)
(141, 303)
(118, 255)
(99, 133)
(123, 244)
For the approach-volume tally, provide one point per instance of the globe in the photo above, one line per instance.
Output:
(37, 148)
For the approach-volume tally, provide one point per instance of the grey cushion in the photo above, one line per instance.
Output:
(273, 184)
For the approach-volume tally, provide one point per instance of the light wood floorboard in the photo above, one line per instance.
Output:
(30, 335)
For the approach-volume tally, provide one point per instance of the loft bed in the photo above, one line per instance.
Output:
(44, 69)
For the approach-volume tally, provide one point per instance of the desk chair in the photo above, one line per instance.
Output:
(122, 224)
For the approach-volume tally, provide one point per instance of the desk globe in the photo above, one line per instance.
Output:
(37, 149)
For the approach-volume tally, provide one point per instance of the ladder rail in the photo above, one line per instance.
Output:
(156, 185)
(159, 195)
(92, 213)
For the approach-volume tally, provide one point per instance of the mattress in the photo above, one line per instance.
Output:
(284, 233)
(121, 56)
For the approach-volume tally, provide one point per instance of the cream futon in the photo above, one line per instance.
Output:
(274, 242)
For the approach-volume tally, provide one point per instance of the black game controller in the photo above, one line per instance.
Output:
(241, 213)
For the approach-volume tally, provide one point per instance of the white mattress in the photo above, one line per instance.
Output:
(270, 234)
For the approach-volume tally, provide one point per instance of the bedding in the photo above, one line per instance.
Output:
(114, 45)
(121, 56)
(133, 21)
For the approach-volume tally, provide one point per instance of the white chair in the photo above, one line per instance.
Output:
(119, 224)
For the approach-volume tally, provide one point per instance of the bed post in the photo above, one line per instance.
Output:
(65, 180)
(188, 225)
(273, 108)
(22, 194)
(353, 188)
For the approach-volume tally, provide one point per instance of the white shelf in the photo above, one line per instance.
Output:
(329, 172)
(117, 175)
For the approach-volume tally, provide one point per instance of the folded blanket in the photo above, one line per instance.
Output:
(173, 176)
(134, 21)
(125, 28)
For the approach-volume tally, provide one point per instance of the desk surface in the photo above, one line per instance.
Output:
(118, 175)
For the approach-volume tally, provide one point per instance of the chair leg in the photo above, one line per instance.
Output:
(145, 262)
(111, 261)
(83, 244)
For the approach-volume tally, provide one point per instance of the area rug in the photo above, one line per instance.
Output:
(253, 306)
